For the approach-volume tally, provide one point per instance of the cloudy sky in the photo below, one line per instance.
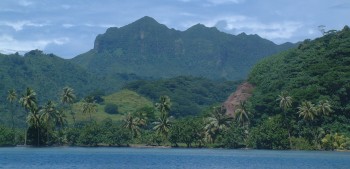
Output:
(68, 27)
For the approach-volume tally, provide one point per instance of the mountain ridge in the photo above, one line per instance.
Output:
(148, 48)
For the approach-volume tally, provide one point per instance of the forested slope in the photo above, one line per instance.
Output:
(313, 77)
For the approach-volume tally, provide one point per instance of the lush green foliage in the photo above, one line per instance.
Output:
(316, 76)
(47, 74)
(317, 70)
(189, 95)
(149, 49)
(111, 108)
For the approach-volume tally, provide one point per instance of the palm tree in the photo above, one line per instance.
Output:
(242, 114)
(67, 98)
(89, 106)
(324, 107)
(132, 124)
(307, 110)
(11, 97)
(162, 126)
(285, 101)
(49, 115)
(28, 99)
(34, 121)
(67, 95)
(49, 111)
(29, 102)
(217, 122)
(142, 118)
(164, 104)
(61, 121)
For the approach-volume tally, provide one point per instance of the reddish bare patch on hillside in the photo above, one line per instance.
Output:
(242, 93)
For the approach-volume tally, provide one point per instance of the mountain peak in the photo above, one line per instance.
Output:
(197, 26)
(148, 48)
(146, 20)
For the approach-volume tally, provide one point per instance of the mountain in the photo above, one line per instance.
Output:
(316, 70)
(45, 73)
(48, 74)
(147, 48)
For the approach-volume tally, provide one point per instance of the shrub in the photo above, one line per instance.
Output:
(111, 109)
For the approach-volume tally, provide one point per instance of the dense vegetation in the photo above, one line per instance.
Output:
(47, 125)
(300, 101)
(189, 95)
(47, 74)
(314, 80)
(147, 48)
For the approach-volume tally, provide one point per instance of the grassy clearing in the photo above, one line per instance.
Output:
(126, 100)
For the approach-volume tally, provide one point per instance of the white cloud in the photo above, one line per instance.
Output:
(25, 3)
(8, 44)
(311, 31)
(17, 26)
(187, 14)
(100, 25)
(64, 6)
(271, 31)
(67, 25)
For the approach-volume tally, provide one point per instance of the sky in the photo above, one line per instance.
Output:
(68, 28)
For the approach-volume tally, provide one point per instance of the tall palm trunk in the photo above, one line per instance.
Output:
(288, 128)
(13, 124)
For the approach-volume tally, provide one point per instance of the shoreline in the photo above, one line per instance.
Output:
(159, 147)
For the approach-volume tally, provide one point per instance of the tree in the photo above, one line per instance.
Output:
(307, 110)
(29, 102)
(28, 99)
(89, 106)
(49, 116)
(111, 108)
(324, 107)
(12, 97)
(285, 102)
(141, 117)
(164, 104)
(67, 95)
(269, 134)
(67, 98)
(217, 122)
(162, 126)
(242, 114)
(49, 112)
(322, 29)
(35, 122)
(132, 124)
(233, 137)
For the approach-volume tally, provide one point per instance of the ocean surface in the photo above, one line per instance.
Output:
(166, 158)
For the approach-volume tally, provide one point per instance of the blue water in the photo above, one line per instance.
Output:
(154, 158)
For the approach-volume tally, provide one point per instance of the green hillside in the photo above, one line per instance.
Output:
(147, 48)
(48, 74)
(45, 73)
(316, 69)
(127, 102)
(315, 72)
(189, 95)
